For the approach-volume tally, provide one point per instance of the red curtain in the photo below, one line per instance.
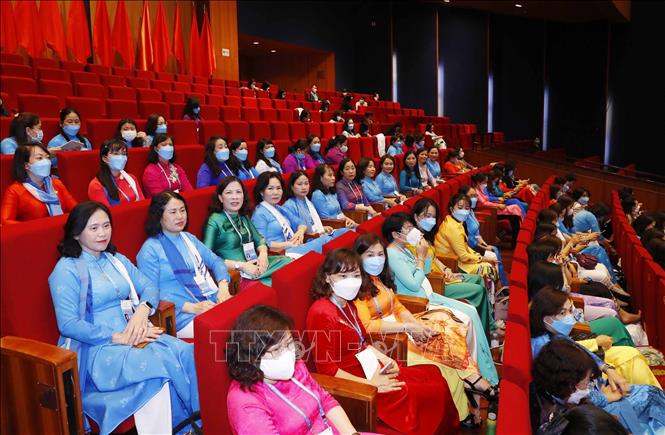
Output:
(122, 36)
(101, 38)
(209, 61)
(160, 41)
(51, 22)
(178, 48)
(29, 30)
(78, 36)
(145, 41)
(8, 39)
(195, 55)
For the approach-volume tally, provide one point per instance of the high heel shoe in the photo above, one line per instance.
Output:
(619, 291)
(491, 394)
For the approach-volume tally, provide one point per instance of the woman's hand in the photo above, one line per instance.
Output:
(501, 206)
(328, 229)
(262, 262)
(137, 326)
(420, 332)
(197, 308)
(610, 394)
(421, 249)
(604, 341)
(391, 202)
(141, 135)
(223, 291)
(617, 382)
(348, 223)
(250, 269)
(386, 383)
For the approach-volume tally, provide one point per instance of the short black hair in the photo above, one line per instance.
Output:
(153, 156)
(76, 223)
(216, 205)
(153, 225)
(457, 198)
(319, 172)
(21, 158)
(262, 183)
(544, 274)
(292, 180)
(394, 223)
(137, 142)
(420, 206)
(151, 123)
(590, 419)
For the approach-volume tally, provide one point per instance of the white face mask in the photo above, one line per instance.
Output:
(347, 288)
(128, 135)
(279, 369)
(578, 395)
(414, 237)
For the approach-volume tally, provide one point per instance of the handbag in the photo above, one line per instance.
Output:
(587, 261)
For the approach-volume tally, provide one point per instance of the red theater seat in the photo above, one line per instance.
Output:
(91, 90)
(181, 87)
(200, 88)
(98, 69)
(280, 130)
(211, 128)
(166, 76)
(144, 94)
(88, 107)
(250, 114)
(115, 80)
(232, 91)
(56, 88)
(286, 115)
(327, 130)
(121, 93)
(101, 129)
(72, 66)
(173, 97)
(148, 75)
(37, 62)
(177, 110)
(214, 100)
(76, 169)
(190, 157)
(121, 109)
(209, 112)
(184, 78)
(161, 85)
(259, 130)
(147, 108)
(217, 90)
(312, 128)
(183, 132)
(232, 100)
(346, 240)
(123, 72)
(230, 113)
(53, 74)
(44, 105)
(237, 130)
(268, 114)
(138, 83)
(513, 410)
(517, 355)
(264, 103)
(84, 77)
(248, 102)
(16, 85)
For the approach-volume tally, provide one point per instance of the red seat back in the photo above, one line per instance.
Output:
(230, 113)
(183, 132)
(42, 105)
(76, 169)
(88, 107)
(121, 109)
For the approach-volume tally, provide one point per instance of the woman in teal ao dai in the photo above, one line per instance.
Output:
(94, 291)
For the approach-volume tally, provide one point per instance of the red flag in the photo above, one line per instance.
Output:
(160, 41)
(8, 40)
(178, 48)
(145, 41)
(78, 36)
(195, 55)
(29, 31)
(122, 36)
(51, 21)
(209, 60)
(101, 37)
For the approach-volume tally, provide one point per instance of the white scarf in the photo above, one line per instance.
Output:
(381, 144)
(318, 225)
(200, 268)
(125, 176)
(286, 228)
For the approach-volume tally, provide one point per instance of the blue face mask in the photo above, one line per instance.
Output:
(161, 128)
(38, 138)
(222, 155)
(374, 265)
(461, 215)
(566, 187)
(242, 155)
(427, 224)
(117, 163)
(565, 325)
(196, 110)
(71, 130)
(270, 152)
(583, 200)
(399, 143)
(166, 152)
(474, 202)
(316, 147)
(299, 156)
(41, 168)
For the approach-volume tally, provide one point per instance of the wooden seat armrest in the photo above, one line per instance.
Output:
(414, 304)
(334, 223)
(37, 350)
(449, 261)
(578, 302)
(164, 317)
(581, 327)
(358, 216)
(438, 282)
(378, 206)
(357, 399)
(311, 236)
(276, 251)
(447, 176)
(234, 284)
(395, 345)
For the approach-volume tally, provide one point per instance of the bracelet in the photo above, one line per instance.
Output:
(606, 367)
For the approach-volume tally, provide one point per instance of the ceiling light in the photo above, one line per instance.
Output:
(255, 42)
(446, 1)
(518, 5)
(273, 51)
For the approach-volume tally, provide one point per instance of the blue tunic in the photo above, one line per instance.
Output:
(120, 378)
(298, 208)
(152, 261)
(434, 168)
(60, 140)
(327, 205)
(387, 184)
(410, 182)
(372, 190)
(8, 145)
(473, 231)
(266, 224)
(247, 174)
(395, 151)
(205, 177)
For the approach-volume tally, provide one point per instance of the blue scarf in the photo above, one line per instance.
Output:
(48, 197)
(180, 269)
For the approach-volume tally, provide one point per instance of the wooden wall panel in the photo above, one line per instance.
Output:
(224, 22)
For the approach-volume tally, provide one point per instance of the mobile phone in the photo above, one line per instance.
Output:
(385, 368)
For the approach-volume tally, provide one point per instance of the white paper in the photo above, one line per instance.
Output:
(369, 362)
(490, 255)
(390, 318)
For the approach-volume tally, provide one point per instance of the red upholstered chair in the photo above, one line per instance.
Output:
(121, 71)
(161, 85)
(248, 101)
(517, 355)
(236, 130)
(89, 107)
(327, 130)
(518, 274)
(165, 76)
(183, 132)
(518, 309)
(15, 70)
(280, 130)
(16, 85)
(58, 89)
(72, 66)
(268, 114)
(296, 131)
(214, 100)
(101, 129)
(232, 100)
(201, 88)
(121, 93)
(354, 152)
(264, 103)
(281, 147)
(84, 77)
(181, 87)
(217, 90)
(173, 97)
(286, 115)
(259, 130)
(230, 113)
(146, 94)
(190, 157)
(187, 78)
(53, 74)
(137, 160)
(177, 110)
(232, 91)
(312, 128)
(247, 93)
(6, 164)
(513, 410)
(146, 108)
(76, 169)
(211, 332)
(91, 90)
(98, 69)
(250, 114)
(121, 109)
(211, 128)
(138, 83)
(279, 104)
(346, 240)
(208, 111)
(42, 105)
(148, 75)
(372, 225)
(315, 116)
(36, 62)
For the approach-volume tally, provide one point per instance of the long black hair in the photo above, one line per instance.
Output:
(209, 154)
(63, 114)
(137, 142)
(415, 171)
(319, 172)
(419, 207)
(104, 174)
(259, 152)
(76, 223)
(233, 162)
(20, 123)
(188, 110)
(360, 246)
(151, 123)
(153, 156)
(292, 180)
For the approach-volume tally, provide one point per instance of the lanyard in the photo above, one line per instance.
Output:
(168, 179)
(234, 227)
(121, 192)
(304, 215)
(354, 325)
(357, 195)
(295, 407)
(108, 277)
(247, 172)
(378, 307)
(225, 170)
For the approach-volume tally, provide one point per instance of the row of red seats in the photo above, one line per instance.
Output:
(516, 374)
(644, 277)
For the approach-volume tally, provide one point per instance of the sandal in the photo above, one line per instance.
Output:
(470, 422)
(491, 394)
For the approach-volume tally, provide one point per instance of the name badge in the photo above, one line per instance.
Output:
(250, 252)
(202, 282)
(328, 431)
(127, 308)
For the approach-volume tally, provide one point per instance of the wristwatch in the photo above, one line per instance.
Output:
(149, 305)
(236, 266)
